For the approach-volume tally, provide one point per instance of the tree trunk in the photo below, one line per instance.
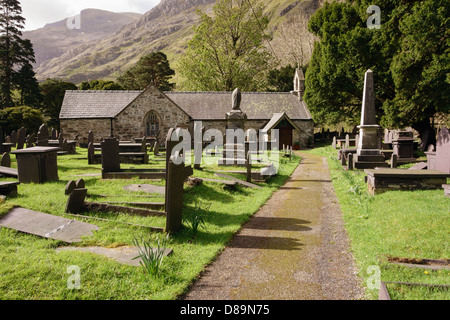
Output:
(426, 133)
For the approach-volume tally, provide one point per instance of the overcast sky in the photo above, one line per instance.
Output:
(40, 12)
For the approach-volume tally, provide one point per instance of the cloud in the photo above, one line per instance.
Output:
(40, 12)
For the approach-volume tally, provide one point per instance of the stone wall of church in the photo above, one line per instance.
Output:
(305, 136)
(130, 123)
(81, 127)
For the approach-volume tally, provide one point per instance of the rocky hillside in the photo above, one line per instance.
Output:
(92, 54)
(56, 39)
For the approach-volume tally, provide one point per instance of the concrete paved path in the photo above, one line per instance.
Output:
(294, 248)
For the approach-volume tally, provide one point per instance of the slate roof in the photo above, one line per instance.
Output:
(276, 119)
(257, 106)
(95, 104)
(199, 105)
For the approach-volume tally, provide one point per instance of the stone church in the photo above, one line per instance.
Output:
(151, 113)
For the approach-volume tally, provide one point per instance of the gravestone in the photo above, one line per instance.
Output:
(21, 138)
(13, 137)
(29, 142)
(54, 134)
(403, 145)
(43, 136)
(75, 202)
(443, 151)
(350, 161)
(249, 166)
(6, 160)
(394, 159)
(368, 154)
(70, 186)
(91, 153)
(90, 137)
(198, 145)
(110, 155)
(174, 195)
(333, 144)
(156, 148)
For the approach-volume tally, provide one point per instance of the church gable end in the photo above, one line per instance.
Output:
(150, 107)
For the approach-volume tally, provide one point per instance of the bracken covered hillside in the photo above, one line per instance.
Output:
(167, 27)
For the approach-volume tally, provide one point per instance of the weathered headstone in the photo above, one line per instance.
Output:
(350, 161)
(394, 159)
(110, 155)
(75, 202)
(333, 144)
(13, 137)
(403, 144)
(21, 137)
(29, 142)
(70, 186)
(156, 148)
(90, 137)
(80, 184)
(43, 136)
(91, 153)
(249, 167)
(174, 195)
(443, 151)
(6, 160)
(54, 134)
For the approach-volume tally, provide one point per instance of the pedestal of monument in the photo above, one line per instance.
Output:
(368, 156)
(233, 153)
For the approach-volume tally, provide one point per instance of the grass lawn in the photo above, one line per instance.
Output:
(30, 267)
(405, 224)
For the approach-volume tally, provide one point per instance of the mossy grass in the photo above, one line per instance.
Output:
(32, 269)
(406, 224)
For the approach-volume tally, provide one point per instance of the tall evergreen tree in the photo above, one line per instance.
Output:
(409, 55)
(28, 86)
(15, 52)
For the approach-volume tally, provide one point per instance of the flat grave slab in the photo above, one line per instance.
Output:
(148, 188)
(242, 182)
(123, 255)
(46, 225)
(385, 179)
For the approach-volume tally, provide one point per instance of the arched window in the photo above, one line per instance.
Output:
(152, 124)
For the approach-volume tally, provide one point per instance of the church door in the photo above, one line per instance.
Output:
(285, 131)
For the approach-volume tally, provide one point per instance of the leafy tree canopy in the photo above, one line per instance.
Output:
(152, 69)
(228, 49)
(100, 85)
(23, 116)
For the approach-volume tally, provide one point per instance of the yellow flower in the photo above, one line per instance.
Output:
(426, 272)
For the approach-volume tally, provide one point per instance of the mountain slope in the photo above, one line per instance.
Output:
(167, 27)
(55, 39)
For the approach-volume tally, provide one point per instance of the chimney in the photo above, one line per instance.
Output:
(299, 83)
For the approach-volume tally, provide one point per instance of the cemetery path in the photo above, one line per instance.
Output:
(294, 248)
